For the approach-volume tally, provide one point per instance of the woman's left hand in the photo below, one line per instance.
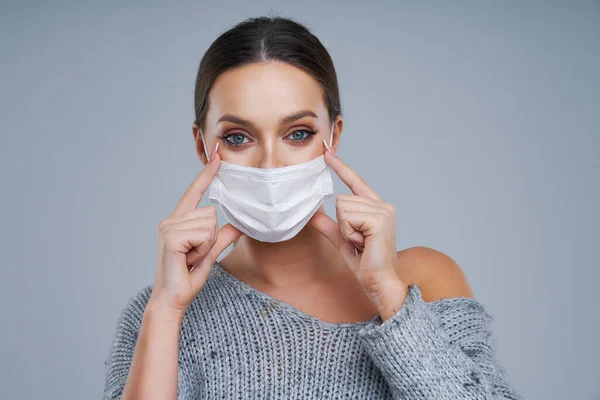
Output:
(365, 235)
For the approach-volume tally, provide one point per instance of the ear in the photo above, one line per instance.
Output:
(199, 145)
(337, 133)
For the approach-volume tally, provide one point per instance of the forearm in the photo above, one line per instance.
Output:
(420, 361)
(154, 366)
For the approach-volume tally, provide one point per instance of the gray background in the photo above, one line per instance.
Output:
(478, 121)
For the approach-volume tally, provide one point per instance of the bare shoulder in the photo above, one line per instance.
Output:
(436, 273)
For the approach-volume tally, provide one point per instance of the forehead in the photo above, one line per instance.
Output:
(264, 93)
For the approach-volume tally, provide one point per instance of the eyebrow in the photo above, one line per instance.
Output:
(285, 120)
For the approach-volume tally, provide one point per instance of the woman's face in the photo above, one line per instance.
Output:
(266, 115)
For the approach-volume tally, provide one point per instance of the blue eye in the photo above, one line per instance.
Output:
(301, 135)
(235, 139)
(239, 139)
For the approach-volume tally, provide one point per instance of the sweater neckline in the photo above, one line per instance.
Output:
(285, 307)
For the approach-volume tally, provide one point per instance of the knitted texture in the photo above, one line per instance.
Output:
(237, 342)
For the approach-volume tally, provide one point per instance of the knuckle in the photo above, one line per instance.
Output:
(205, 236)
(390, 208)
(209, 223)
(341, 205)
(162, 225)
(212, 211)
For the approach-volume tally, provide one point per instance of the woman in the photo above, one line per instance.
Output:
(303, 306)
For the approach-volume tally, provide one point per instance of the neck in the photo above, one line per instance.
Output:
(306, 257)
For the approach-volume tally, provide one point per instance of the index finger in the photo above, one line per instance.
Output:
(193, 194)
(349, 177)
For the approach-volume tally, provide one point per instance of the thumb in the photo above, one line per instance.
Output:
(226, 235)
(327, 227)
(331, 230)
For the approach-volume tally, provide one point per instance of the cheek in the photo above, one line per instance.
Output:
(305, 153)
(237, 158)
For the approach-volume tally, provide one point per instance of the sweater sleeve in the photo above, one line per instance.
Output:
(123, 345)
(438, 350)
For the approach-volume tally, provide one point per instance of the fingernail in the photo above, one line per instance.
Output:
(214, 152)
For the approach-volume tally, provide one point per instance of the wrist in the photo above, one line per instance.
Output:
(161, 311)
(389, 296)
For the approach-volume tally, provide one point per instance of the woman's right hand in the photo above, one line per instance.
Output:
(188, 244)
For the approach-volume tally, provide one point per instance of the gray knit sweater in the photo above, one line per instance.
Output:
(237, 342)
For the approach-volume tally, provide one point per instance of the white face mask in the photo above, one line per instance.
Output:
(271, 204)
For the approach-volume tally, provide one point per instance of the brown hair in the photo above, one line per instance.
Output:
(263, 39)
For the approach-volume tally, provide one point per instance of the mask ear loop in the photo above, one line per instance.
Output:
(331, 134)
(204, 144)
